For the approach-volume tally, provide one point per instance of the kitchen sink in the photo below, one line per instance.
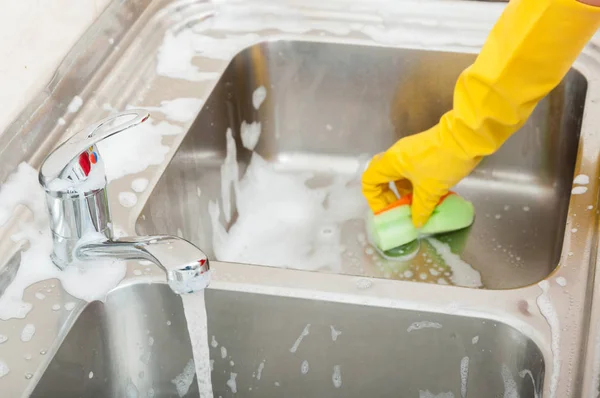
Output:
(329, 107)
(331, 84)
(137, 343)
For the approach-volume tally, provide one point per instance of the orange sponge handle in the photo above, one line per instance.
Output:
(407, 200)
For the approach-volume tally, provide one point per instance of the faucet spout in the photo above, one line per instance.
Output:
(187, 267)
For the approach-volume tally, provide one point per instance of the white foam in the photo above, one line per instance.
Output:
(423, 325)
(334, 333)
(61, 122)
(304, 367)
(261, 367)
(250, 134)
(39, 295)
(90, 375)
(174, 58)
(363, 283)
(127, 199)
(28, 332)
(184, 380)
(195, 314)
(336, 377)
(136, 149)
(55, 307)
(229, 176)
(258, 97)
(305, 332)
(427, 394)
(75, 104)
(213, 342)
(69, 306)
(139, 185)
(475, 340)
(510, 387)
(549, 312)
(131, 390)
(88, 281)
(561, 281)
(231, 383)
(3, 338)
(4, 369)
(462, 273)
(464, 375)
(525, 372)
(579, 190)
(581, 179)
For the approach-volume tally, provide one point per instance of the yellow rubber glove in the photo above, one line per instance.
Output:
(528, 52)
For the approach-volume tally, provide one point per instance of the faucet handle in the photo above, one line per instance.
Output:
(75, 167)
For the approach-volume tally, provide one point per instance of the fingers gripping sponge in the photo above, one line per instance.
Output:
(392, 227)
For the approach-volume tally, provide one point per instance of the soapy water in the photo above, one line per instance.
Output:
(184, 380)
(427, 394)
(549, 312)
(464, 376)
(274, 217)
(305, 332)
(510, 386)
(89, 281)
(423, 325)
(195, 314)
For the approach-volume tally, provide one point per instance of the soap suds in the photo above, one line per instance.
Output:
(28, 332)
(336, 377)
(510, 386)
(527, 372)
(144, 140)
(304, 333)
(184, 380)
(581, 179)
(231, 383)
(423, 325)
(427, 394)
(579, 190)
(334, 333)
(304, 367)
(75, 104)
(250, 134)
(462, 273)
(69, 306)
(3, 338)
(261, 367)
(229, 177)
(213, 342)
(4, 369)
(549, 312)
(464, 375)
(127, 199)
(475, 340)
(89, 281)
(258, 97)
(139, 185)
(561, 281)
(175, 55)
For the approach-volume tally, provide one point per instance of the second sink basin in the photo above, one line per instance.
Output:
(136, 344)
(328, 109)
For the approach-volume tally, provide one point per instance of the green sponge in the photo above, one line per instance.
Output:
(392, 228)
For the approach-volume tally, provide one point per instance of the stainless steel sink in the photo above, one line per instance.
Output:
(344, 80)
(330, 106)
(138, 342)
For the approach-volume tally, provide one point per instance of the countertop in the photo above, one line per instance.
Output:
(35, 35)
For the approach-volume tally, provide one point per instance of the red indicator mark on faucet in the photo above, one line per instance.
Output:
(84, 163)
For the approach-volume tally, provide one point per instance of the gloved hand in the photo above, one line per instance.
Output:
(529, 50)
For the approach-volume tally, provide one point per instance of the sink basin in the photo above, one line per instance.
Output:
(137, 343)
(329, 107)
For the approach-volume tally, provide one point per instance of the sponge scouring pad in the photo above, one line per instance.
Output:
(392, 227)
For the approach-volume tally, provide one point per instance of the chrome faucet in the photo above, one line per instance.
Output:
(74, 180)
